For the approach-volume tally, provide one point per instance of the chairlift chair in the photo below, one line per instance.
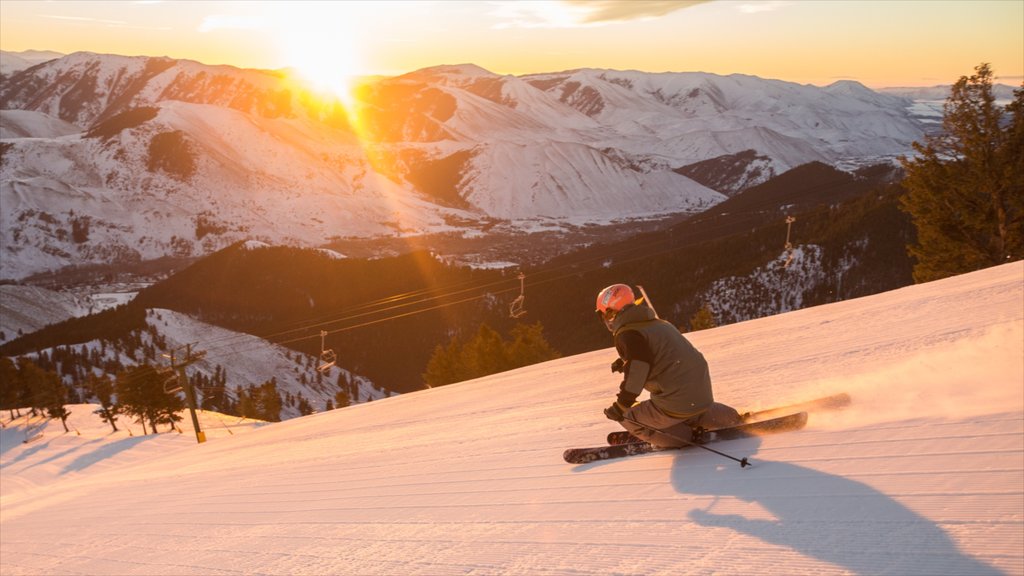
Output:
(170, 380)
(327, 356)
(516, 310)
(789, 245)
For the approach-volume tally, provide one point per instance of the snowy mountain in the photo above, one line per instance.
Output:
(11, 62)
(1002, 92)
(25, 309)
(113, 159)
(922, 475)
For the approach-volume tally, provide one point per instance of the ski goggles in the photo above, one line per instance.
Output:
(608, 317)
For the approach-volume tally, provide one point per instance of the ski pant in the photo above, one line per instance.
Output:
(677, 432)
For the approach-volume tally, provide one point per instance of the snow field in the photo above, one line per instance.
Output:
(923, 474)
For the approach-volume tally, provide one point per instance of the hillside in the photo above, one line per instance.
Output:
(115, 160)
(922, 475)
(849, 232)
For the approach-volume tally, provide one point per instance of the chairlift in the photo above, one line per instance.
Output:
(789, 245)
(516, 310)
(170, 380)
(327, 357)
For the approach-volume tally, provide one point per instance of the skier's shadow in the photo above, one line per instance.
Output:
(831, 518)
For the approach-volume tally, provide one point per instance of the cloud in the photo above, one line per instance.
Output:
(84, 19)
(582, 13)
(763, 6)
(101, 22)
(230, 22)
(619, 10)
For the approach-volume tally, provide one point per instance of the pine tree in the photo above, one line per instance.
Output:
(10, 382)
(485, 353)
(529, 346)
(246, 406)
(32, 380)
(103, 389)
(445, 365)
(341, 399)
(263, 402)
(703, 319)
(488, 353)
(268, 402)
(52, 396)
(965, 190)
(140, 392)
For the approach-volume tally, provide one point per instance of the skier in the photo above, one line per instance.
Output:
(655, 356)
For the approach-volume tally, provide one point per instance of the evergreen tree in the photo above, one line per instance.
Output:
(53, 396)
(341, 399)
(268, 402)
(485, 353)
(140, 392)
(445, 365)
(965, 190)
(305, 408)
(171, 407)
(488, 353)
(103, 389)
(214, 391)
(29, 378)
(529, 346)
(703, 319)
(262, 402)
(246, 406)
(10, 383)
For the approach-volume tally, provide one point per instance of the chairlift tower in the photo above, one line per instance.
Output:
(190, 391)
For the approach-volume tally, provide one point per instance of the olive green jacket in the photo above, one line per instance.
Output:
(663, 362)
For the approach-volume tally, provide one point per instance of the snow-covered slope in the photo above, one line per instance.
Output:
(250, 361)
(27, 124)
(923, 474)
(25, 309)
(11, 62)
(173, 157)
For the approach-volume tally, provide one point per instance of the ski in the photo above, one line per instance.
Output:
(786, 423)
(834, 402)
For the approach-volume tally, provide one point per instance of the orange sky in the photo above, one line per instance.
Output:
(879, 43)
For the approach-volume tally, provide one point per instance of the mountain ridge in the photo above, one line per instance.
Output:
(231, 150)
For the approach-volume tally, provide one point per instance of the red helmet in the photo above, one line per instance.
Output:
(614, 298)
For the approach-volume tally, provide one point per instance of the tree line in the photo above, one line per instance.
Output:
(150, 395)
(965, 187)
(487, 352)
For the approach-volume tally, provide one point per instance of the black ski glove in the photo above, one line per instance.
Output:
(619, 366)
(615, 412)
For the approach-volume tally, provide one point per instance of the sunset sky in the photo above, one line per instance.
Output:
(879, 43)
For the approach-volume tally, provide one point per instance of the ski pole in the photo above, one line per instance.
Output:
(743, 463)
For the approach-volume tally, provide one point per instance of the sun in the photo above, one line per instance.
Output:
(330, 65)
(319, 41)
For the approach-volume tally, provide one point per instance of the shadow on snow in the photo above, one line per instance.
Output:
(818, 515)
